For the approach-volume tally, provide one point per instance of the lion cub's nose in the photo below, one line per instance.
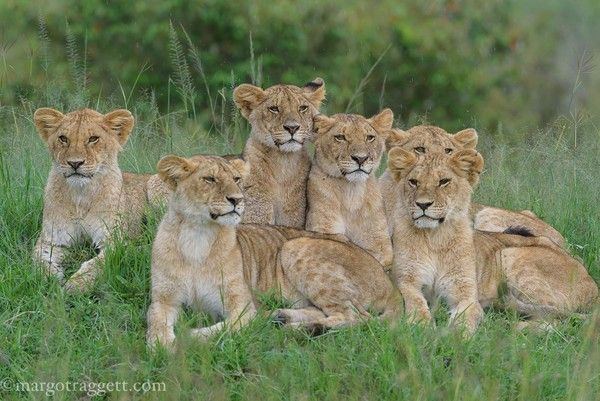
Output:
(75, 164)
(234, 200)
(424, 205)
(360, 159)
(291, 127)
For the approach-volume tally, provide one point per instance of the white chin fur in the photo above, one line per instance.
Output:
(357, 176)
(289, 147)
(426, 222)
(78, 180)
(229, 219)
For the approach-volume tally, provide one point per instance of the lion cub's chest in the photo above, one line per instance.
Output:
(203, 272)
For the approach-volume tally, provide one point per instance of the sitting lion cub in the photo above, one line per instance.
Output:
(202, 258)
(343, 193)
(425, 139)
(282, 121)
(437, 252)
(87, 195)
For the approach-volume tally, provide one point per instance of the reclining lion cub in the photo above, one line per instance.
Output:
(87, 195)
(202, 258)
(282, 121)
(437, 253)
(343, 193)
(425, 139)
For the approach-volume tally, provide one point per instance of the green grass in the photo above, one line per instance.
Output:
(48, 336)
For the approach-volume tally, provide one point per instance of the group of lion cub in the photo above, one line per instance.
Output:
(338, 243)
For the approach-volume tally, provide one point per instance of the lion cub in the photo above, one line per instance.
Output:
(343, 193)
(87, 195)
(424, 139)
(202, 258)
(437, 252)
(282, 121)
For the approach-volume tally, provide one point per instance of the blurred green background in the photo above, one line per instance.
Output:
(505, 66)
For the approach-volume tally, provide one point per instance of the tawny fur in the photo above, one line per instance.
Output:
(95, 199)
(442, 256)
(282, 121)
(343, 193)
(202, 259)
(425, 139)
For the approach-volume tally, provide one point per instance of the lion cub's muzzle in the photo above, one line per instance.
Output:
(289, 140)
(229, 212)
(427, 215)
(357, 169)
(77, 169)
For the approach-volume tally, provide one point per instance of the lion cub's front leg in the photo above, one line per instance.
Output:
(458, 286)
(87, 274)
(51, 256)
(239, 308)
(162, 316)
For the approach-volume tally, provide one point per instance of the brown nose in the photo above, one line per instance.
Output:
(424, 205)
(291, 127)
(75, 164)
(360, 159)
(234, 200)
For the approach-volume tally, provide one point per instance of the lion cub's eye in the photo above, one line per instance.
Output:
(274, 109)
(370, 138)
(339, 138)
(93, 139)
(448, 150)
(210, 180)
(444, 182)
(420, 149)
(63, 139)
(237, 179)
(303, 108)
(413, 182)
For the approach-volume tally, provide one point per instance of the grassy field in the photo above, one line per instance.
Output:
(48, 336)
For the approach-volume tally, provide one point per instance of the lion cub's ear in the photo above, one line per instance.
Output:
(396, 137)
(400, 162)
(466, 138)
(46, 121)
(467, 163)
(172, 169)
(120, 123)
(383, 121)
(246, 97)
(241, 166)
(315, 91)
(322, 123)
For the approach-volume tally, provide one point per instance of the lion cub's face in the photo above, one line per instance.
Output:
(350, 145)
(83, 143)
(436, 187)
(205, 188)
(282, 115)
(423, 139)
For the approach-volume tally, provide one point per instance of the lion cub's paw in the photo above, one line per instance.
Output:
(154, 342)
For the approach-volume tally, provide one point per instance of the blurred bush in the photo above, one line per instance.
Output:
(503, 64)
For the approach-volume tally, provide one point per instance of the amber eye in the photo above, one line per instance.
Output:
(303, 108)
(93, 139)
(63, 139)
(237, 179)
(448, 150)
(274, 109)
(210, 180)
(413, 182)
(370, 138)
(420, 149)
(444, 182)
(339, 138)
